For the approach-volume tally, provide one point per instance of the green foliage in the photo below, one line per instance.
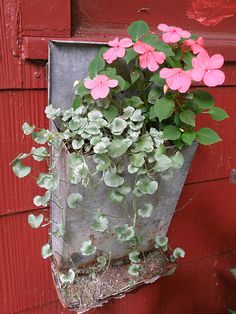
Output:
(164, 108)
(68, 278)
(121, 141)
(207, 136)
(87, 248)
(137, 29)
(35, 221)
(96, 65)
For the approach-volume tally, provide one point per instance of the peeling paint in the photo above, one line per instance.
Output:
(211, 13)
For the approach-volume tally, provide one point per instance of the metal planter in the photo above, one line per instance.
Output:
(68, 62)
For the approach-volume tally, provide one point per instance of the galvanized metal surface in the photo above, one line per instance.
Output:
(68, 61)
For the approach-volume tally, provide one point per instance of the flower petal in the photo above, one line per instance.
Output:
(143, 60)
(152, 63)
(125, 42)
(165, 72)
(90, 84)
(197, 74)
(140, 47)
(110, 55)
(112, 83)
(163, 27)
(114, 42)
(159, 56)
(214, 78)
(100, 92)
(171, 37)
(120, 52)
(216, 62)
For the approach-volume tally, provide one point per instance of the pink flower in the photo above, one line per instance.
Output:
(100, 86)
(195, 45)
(206, 68)
(177, 79)
(149, 57)
(172, 34)
(117, 50)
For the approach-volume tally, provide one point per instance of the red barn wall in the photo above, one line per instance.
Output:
(204, 222)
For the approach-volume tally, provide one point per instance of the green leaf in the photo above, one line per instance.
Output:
(77, 144)
(188, 137)
(164, 108)
(96, 65)
(40, 153)
(150, 38)
(218, 114)
(134, 257)
(101, 261)
(158, 80)
(137, 160)
(41, 137)
(231, 311)
(60, 231)
(233, 272)
(69, 277)
(46, 251)
(207, 136)
(118, 147)
(87, 248)
(188, 117)
(203, 99)
(177, 160)
(48, 181)
(147, 186)
(145, 144)
(110, 113)
(130, 55)
(118, 125)
(171, 132)
(77, 102)
(115, 196)
(178, 252)
(112, 179)
(161, 46)
(125, 233)
(134, 269)
(20, 170)
(81, 90)
(161, 242)
(137, 29)
(146, 210)
(100, 224)
(187, 58)
(154, 95)
(42, 200)
(134, 75)
(173, 62)
(133, 101)
(27, 129)
(74, 199)
(102, 160)
(163, 162)
(52, 113)
(35, 221)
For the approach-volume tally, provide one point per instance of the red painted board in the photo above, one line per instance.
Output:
(16, 108)
(217, 160)
(204, 221)
(213, 20)
(25, 277)
(50, 308)
(51, 17)
(10, 68)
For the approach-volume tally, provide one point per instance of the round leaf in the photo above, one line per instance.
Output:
(35, 221)
(20, 170)
(74, 199)
(137, 29)
(68, 277)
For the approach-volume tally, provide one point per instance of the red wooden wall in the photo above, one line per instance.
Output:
(205, 218)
